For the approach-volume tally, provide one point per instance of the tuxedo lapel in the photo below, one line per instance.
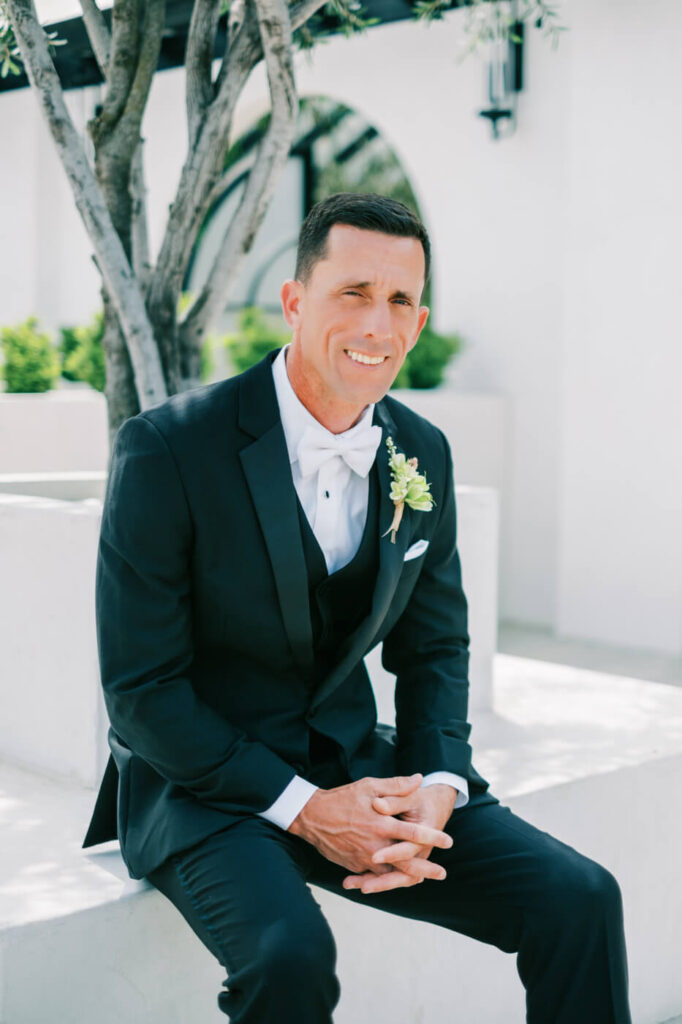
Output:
(268, 475)
(390, 565)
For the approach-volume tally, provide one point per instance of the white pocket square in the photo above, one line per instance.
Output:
(416, 549)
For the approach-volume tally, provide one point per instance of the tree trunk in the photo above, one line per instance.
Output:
(120, 391)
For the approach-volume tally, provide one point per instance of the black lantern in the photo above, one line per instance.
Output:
(504, 74)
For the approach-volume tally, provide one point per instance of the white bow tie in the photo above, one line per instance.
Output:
(357, 450)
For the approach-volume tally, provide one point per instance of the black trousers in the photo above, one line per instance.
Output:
(245, 893)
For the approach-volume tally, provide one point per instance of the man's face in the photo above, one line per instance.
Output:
(361, 303)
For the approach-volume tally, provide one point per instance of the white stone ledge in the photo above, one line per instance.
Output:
(67, 486)
(595, 760)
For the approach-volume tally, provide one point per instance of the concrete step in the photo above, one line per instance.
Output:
(596, 760)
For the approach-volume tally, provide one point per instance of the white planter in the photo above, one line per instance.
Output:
(475, 423)
(57, 431)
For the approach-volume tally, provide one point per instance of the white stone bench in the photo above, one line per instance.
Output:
(596, 760)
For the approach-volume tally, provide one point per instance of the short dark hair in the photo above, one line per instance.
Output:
(366, 210)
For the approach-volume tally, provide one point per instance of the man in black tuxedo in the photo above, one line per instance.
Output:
(246, 565)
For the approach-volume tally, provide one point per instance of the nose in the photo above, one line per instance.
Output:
(378, 321)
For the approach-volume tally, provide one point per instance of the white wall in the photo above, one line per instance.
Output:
(46, 268)
(555, 252)
(620, 457)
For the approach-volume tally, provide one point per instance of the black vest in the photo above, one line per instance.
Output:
(338, 603)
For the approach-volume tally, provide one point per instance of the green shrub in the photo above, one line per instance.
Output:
(31, 362)
(83, 353)
(207, 359)
(68, 344)
(255, 337)
(426, 362)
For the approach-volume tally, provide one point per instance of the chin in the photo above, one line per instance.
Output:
(366, 393)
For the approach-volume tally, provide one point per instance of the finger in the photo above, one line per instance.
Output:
(414, 832)
(396, 852)
(378, 869)
(393, 804)
(392, 880)
(419, 868)
(398, 785)
(355, 881)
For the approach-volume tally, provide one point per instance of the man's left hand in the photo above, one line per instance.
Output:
(429, 805)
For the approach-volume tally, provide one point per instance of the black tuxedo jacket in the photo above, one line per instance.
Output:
(204, 629)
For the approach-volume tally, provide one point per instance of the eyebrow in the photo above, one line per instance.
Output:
(370, 284)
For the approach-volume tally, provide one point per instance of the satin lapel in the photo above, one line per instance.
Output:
(268, 475)
(391, 558)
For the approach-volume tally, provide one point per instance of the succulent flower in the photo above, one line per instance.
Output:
(408, 487)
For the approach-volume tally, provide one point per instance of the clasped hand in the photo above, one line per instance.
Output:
(382, 830)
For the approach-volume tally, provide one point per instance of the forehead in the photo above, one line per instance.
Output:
(372, 256)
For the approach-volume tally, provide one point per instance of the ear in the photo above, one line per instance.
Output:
(291, 295)
(421, 321)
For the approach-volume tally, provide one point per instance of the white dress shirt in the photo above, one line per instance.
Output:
(334, 500)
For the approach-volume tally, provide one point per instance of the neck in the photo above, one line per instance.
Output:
(333, 413)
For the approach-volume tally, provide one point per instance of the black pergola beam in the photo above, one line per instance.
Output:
(77, 67)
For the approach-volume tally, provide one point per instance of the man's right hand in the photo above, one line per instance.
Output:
(344, 826)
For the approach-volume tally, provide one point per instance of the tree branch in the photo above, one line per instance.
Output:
(304, 9)
(120, 138)
(198, 57)
(98, 33)
(100, 40)
(131, 122)
(235, 20)
(272, 155)
(139, 231)
(150, 48)
(125, 18)
(202, 168)
(109, 252)
(204, 164)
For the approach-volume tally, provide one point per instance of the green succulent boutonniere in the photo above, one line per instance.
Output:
(408, 487)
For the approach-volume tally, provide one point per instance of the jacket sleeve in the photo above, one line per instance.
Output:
(145, 640)
(428, 651)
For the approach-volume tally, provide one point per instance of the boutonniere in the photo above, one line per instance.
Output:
(408, 487)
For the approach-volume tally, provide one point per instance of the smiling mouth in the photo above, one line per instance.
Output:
(360, 357)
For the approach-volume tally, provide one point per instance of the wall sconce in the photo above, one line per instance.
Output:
(504, 80)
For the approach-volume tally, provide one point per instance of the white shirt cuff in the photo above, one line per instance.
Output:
(289, 803)
(459, 783)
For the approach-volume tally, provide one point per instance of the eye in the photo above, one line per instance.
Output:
(404, 302)
(350, 291)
